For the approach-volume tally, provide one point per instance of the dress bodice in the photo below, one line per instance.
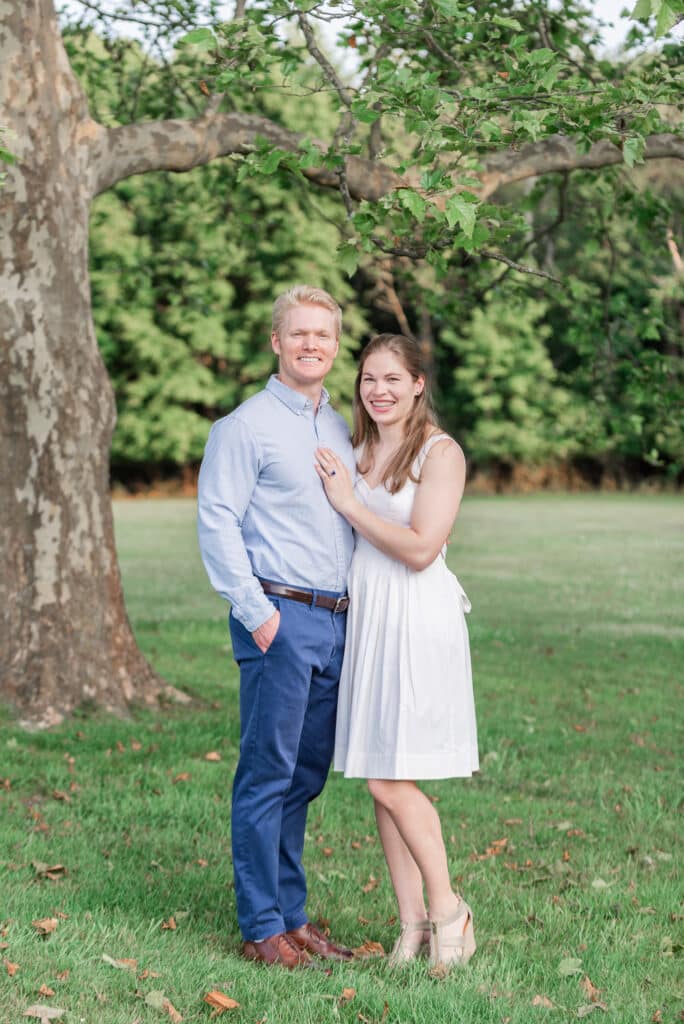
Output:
(397, 507)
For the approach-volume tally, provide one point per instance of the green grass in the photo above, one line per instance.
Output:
(578, 646)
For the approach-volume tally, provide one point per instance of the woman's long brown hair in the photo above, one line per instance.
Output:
(400, 468)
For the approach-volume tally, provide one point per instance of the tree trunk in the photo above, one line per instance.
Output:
(64, 635)
(65, 638)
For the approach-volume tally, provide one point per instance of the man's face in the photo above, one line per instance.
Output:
(306, 347)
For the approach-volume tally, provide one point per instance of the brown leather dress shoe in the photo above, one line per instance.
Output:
(311, 939)
(278, 949)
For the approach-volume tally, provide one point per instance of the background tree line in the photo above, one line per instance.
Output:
(588, 371)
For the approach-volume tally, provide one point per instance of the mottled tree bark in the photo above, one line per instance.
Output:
(64, 635)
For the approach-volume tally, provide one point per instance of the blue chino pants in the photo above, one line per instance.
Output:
(288, 703)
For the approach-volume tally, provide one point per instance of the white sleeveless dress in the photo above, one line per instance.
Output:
(405, 708)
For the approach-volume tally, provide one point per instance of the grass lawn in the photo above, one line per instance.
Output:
(567, 844)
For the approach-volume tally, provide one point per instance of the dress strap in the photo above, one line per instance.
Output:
(425, 450)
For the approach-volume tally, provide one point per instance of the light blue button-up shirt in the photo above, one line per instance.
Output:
(262, 509)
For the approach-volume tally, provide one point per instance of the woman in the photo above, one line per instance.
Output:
(405, 708)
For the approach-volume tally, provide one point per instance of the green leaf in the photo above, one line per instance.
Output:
(202, 37)
(348, 258)
(431, 178)
(490, 131)
(448, 7)
(642, 10)
(498, 19)
(413, 202)
(541, 56)
(271, 162)
(459, 211)
(667, 18)
(633, 150)
(7, 157)
(548, 79)
(362, 112)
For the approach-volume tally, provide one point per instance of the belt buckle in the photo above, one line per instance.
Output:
(341, 604)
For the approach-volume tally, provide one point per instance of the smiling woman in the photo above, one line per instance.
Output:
(406, 708)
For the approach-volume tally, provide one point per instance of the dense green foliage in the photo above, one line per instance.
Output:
(566, 844)
(589, 366)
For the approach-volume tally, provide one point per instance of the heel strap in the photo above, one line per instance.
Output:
(455, 941)
(415, 926)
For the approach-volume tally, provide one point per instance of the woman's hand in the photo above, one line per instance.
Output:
(336, 480)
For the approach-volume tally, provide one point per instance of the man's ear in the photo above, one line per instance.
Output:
(275, 343)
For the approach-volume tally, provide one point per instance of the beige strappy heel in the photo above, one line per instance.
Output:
(452, 941)
(410, 943)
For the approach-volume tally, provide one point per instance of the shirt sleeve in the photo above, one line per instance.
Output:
(227, 478)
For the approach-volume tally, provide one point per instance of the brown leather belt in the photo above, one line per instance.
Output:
(333, 604)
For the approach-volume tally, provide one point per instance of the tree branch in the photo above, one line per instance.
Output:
(180, 145)
(520, 267)
(326, 67)
(559, 153)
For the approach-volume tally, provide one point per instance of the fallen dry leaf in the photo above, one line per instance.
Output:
(543, 1001)
(182, 777)
(136, 745)
(220, 1001)
(569, 965)
(368, 949)
(63, 975)
(213, 755)
(590, 989)
(173, 1013)
(53, 872)
(657, 1017)
(169, 925)
(148, 974)
(44, 1013)
(346, 997)
(155, 998)
(202, 862)
(122, 963)
(46, 991)
(45, 925)
(327, 851)
(371, 884)
(513, 821)
(11, 968)
(59, 794)
(496, 848)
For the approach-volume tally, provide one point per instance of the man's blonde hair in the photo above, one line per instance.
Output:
(304, 295)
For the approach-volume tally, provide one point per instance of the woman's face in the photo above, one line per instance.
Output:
(387, 389)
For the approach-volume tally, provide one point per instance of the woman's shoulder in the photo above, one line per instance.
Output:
(440, 448)
(438, 441)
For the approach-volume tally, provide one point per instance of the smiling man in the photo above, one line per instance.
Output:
(275, 548)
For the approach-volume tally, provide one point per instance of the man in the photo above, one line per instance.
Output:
(275, 548)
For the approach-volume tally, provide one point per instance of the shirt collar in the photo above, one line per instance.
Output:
(294, 400)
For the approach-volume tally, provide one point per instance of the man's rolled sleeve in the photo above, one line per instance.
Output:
(227, 478)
